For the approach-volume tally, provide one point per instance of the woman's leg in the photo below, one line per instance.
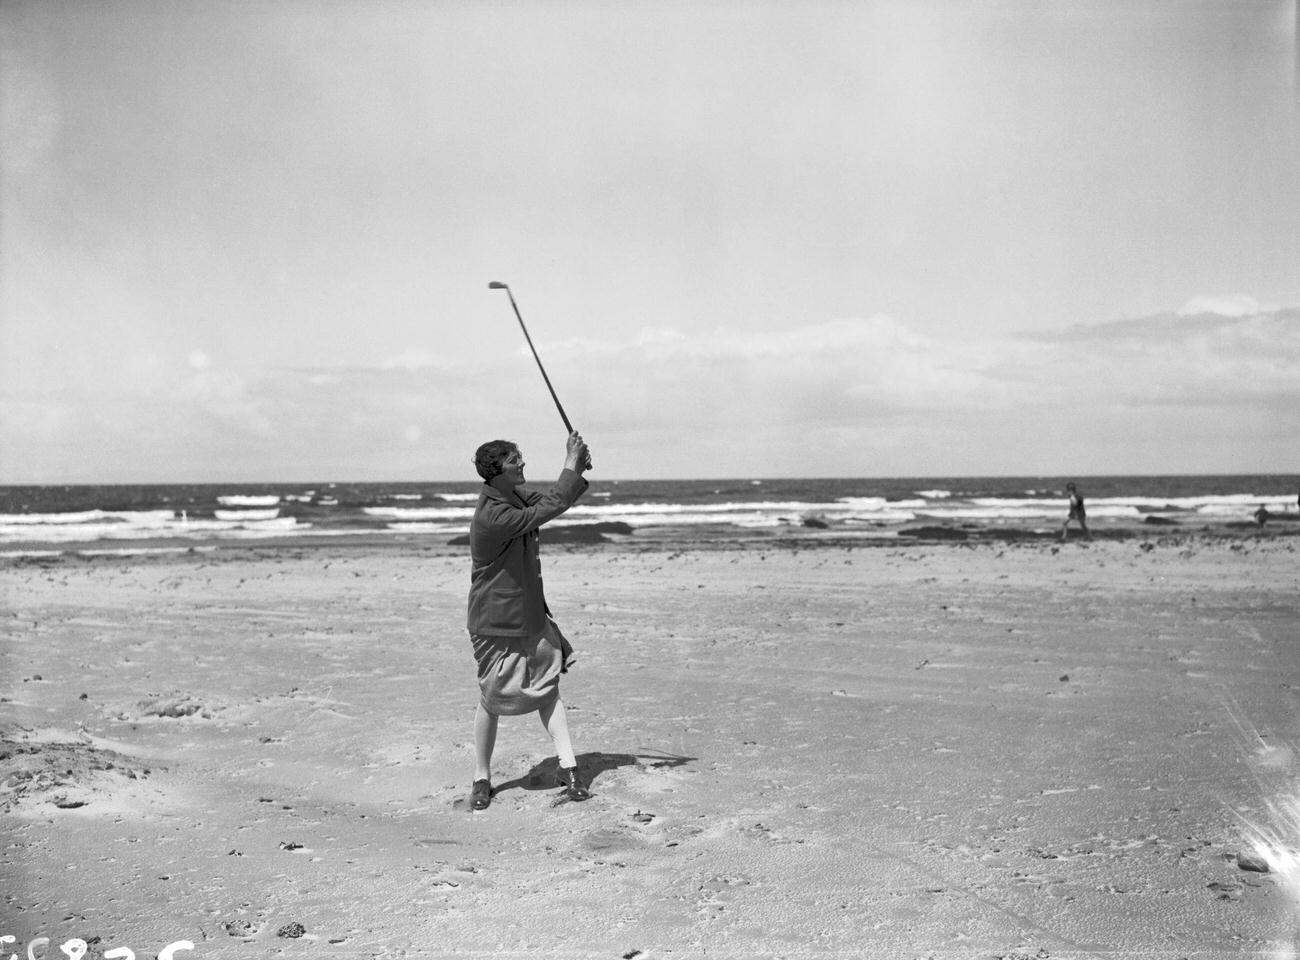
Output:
(485, 740)
(557, 725)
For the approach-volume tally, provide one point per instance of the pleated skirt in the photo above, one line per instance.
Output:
(517, 676)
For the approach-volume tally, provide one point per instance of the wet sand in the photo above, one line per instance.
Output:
(1012, 750)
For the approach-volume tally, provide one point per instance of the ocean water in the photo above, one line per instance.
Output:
(184, 513)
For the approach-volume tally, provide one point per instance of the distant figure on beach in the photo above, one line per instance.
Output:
(519, 650)
(1077, 512)
(1261, 515)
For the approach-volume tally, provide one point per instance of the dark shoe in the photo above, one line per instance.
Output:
(480, 795)
(571, 781)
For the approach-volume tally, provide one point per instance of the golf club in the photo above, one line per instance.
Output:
(498, 285)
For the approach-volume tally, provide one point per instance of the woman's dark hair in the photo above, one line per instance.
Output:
(489, 457)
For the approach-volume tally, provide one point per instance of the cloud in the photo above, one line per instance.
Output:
(877, 383)
(412, 358)
(1235, 305)
(838, 369)
(1167, 391)
(1201, 359)
(851, 396)
(222, 396)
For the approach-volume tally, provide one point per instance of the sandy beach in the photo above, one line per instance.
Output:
(993, 750)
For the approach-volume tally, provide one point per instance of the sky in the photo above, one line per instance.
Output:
(251, 241)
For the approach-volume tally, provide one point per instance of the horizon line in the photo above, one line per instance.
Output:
(720, 479)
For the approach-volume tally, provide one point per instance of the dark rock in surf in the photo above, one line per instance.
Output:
(933, 533)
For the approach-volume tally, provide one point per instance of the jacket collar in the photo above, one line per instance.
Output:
(492, 493)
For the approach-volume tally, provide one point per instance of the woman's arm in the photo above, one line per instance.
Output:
(505, 521)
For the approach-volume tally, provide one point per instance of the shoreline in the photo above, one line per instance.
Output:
(670, 538)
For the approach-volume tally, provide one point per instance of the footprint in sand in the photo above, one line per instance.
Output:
(607, 840)
(718, 892)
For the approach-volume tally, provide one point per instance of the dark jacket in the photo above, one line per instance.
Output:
(505, 589)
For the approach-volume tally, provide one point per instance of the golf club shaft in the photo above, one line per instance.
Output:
(568, 426)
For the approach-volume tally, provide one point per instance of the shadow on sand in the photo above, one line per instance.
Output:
(546, 775)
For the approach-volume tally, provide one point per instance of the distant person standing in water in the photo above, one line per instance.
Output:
(519, 650)
(1077, 512)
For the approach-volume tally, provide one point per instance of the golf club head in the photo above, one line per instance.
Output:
(498, 285)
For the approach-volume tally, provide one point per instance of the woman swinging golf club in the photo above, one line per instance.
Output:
(519, 650)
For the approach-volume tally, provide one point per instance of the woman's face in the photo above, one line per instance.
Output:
(512, 468)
